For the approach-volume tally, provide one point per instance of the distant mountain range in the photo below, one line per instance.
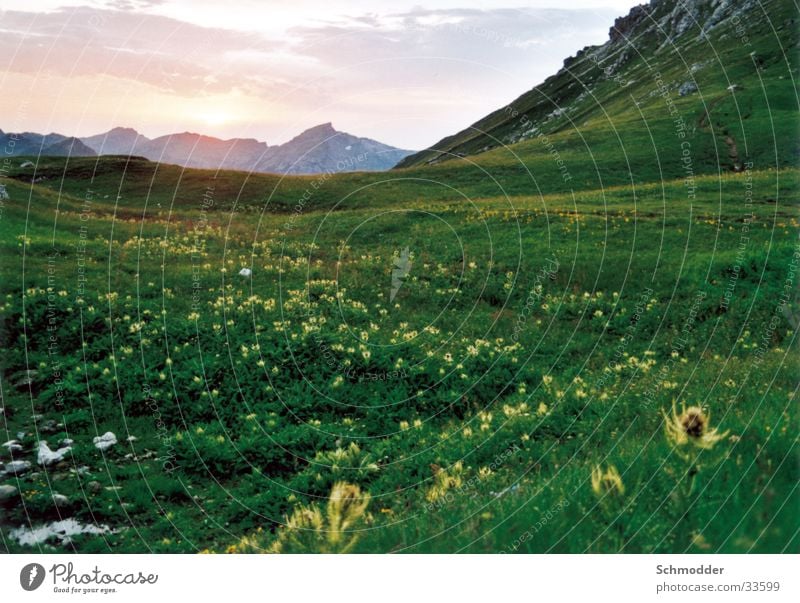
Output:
(31, 143)
(317, 150)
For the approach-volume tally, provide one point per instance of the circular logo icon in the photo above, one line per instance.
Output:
(31, 576)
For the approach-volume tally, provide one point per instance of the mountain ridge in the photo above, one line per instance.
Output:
(318, 149)
(625, 64)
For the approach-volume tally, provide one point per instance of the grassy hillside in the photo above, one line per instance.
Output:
(533, 339)
(605, 111)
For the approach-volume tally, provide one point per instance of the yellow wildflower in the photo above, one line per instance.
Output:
(607, 482)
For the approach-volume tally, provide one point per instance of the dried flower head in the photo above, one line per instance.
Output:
(346, 507)
(311, 530)
(691, 426)
(444, 480)
(607, 482)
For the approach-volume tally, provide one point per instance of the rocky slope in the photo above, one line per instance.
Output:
(195, 150)
(324, 149)
(692, 35)
(117, 141)
(31, 143)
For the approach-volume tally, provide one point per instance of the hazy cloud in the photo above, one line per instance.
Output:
(360, 66)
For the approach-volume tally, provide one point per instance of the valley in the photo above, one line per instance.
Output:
(569, 328)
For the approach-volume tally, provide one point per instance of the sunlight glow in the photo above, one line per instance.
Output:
(214, 117)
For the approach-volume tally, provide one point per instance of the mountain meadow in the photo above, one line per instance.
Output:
(569, 328)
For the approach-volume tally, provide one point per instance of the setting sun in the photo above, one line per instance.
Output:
(214, 117)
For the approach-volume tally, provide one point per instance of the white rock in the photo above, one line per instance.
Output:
(60, 500)
(17, 467)
(245, 272)
(105, 441)
(13, 446)
(49, 457)
(7, 493)
(62, 530)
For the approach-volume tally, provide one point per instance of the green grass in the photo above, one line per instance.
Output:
(617, 128)
(252, 393)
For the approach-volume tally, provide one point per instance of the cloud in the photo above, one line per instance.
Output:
(165, 53)
(476, 52)
(185, 58)
(473, 43)
(131, 5)
(440, 68)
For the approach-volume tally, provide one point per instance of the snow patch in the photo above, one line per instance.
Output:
(63, 530)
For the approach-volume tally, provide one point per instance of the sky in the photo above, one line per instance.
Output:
(400, 72)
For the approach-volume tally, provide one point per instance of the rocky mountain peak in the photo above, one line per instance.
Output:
(321, 131)
(122, 130)
(669, 19)
(625, 25)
